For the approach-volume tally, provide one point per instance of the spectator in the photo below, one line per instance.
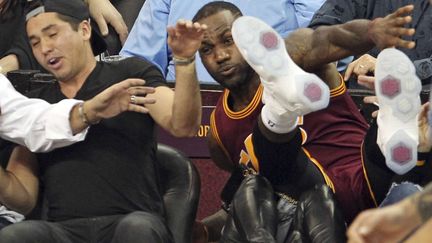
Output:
(15, 51)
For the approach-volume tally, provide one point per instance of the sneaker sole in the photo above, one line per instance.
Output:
(265, 51)
(398, 88)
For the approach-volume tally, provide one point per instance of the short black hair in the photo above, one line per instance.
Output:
(214, 8)
(73, 22)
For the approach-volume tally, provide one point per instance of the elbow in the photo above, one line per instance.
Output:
(185, 132)
(24, 208)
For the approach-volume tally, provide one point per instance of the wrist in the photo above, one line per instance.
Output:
(88, 115)
(183, 60)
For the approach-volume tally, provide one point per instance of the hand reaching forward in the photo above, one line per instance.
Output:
(386, 32)
(124, 96)
(185, 37)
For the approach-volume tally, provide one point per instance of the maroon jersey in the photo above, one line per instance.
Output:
(232, 128)
(333, 136)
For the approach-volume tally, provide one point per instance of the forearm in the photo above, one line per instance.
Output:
(13, 195)
(332, 43)
(9, 63)
(33, 122)
(186, 114)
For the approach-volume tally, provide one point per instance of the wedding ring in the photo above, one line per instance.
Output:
(133, 99)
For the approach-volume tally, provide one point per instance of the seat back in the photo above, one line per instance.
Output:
(181, 189)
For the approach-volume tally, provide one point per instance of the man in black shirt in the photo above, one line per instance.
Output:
(106, 188)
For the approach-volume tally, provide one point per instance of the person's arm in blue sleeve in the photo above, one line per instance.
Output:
(148, 37)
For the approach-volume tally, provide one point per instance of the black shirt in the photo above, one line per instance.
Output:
(113, 171)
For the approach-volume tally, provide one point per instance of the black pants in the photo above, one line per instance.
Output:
(134, 227)
(254, 217)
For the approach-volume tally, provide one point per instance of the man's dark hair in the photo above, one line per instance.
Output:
(73, 22)
(214, 8)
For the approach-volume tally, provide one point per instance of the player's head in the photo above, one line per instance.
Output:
(218, 51)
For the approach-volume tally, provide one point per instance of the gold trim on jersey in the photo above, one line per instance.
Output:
(214, 132)
(420, 162)
(339, 90)
(326, 177)
(367, 178)
(256, 101)
(251, 153)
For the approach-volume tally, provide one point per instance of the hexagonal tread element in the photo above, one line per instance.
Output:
(390, 86)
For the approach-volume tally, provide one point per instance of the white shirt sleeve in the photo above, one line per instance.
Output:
(34, 123)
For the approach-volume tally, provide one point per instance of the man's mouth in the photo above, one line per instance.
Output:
(54, 62)
(227, 70)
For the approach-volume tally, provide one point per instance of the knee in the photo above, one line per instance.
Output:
(319, 193)
(14, 233)
(255, 183)
(254, 188)
(142, 225)
(140, 222)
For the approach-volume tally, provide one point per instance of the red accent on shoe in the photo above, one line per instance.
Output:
(313, 92)
(390, 86)
(269, 40)
(401, 154)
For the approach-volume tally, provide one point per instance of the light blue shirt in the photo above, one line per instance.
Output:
(148, 37)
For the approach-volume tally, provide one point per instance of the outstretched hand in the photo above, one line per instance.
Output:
(124, 96)
(185, 37)
(387, 32)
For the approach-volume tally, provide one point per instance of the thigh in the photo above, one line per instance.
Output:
(254, 210)
(35, 231)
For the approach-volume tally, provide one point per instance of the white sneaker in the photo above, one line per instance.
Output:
(295, 90)
(397, 88)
